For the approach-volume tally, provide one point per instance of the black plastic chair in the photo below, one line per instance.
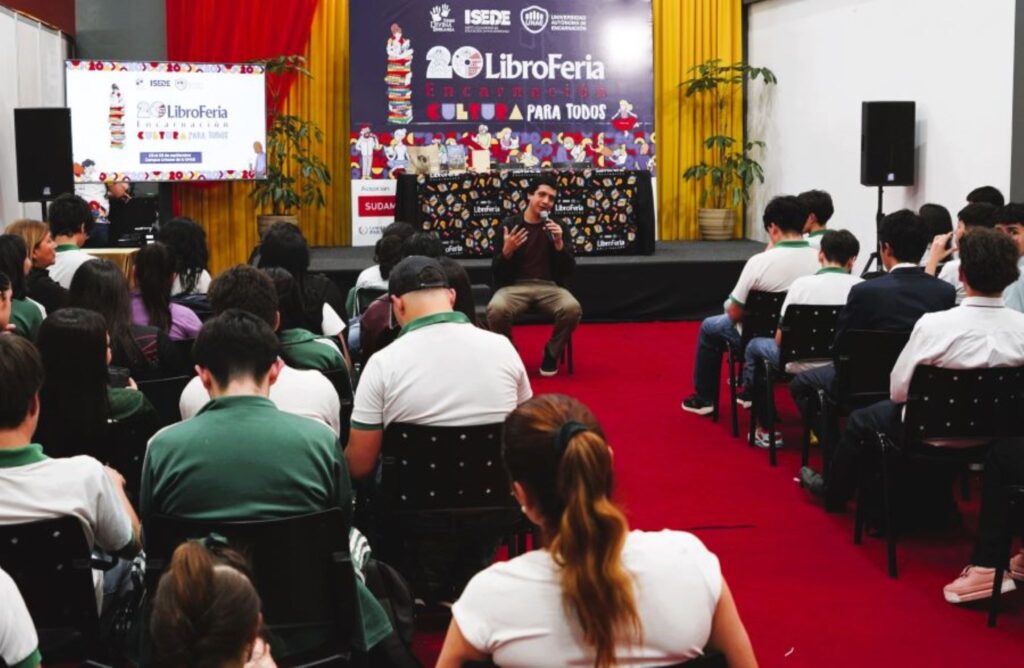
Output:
(481, 297)
(760, 318)
(536, 318)
(301, 568)
(126, 449)
(49, 561)
(184, 348)
(864, 360)
(342, 382)
(964, 410)
(165, 395)
(365, 297)
(807, 335)
(1015, 499)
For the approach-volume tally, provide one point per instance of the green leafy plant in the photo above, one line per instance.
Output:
(730, 171)
(291, 140)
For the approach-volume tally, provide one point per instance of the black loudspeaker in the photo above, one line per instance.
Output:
(42, 145)
(887, 144)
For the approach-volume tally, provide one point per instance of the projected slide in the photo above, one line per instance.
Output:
(166, 121)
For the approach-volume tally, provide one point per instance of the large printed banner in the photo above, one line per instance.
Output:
(166, 121)
(554, 83)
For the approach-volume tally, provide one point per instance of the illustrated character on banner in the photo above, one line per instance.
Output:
(598, 152)
(582, 150)
(624, 119)
(527, 158)
(566, 147)
(366, 145)
(643, 153)
(399, 48)
(620, 156)
(482, 138)
(442, 150)
(94, 193)
(397, 153)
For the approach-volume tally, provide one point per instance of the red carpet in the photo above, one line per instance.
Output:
(807, 594)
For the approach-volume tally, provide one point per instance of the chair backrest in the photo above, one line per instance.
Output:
(808, 332)
(864, 360)
(443, 468)
(49, 561)
(126, 449)
(184, 349)
(365, 296)
(342, 382)
(165, 395)
(964, 404)
(301, 566)
(481, 294)
(761, 314)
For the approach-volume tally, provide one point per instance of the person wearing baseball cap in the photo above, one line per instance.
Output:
(441, 371)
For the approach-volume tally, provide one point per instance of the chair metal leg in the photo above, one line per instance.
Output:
(997, 592)
(890, 524)
(733, 381)
(755, 405)
(769, 404)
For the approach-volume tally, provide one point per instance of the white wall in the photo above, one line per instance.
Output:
(31, 75)
(954, 58)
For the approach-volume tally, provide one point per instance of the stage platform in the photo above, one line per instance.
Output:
(683, 280)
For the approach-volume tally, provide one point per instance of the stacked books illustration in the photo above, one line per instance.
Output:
(116, 118)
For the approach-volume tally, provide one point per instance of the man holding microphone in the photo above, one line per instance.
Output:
(531, 264)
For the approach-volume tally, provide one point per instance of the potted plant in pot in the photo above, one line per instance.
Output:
(728, 170)
(291, 140)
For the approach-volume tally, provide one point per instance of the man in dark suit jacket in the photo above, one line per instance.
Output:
(531, 263)
(893, 302)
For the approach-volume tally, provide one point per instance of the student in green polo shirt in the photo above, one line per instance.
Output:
(819, 205)
(26, 315)
(241, 458)
(300, 348)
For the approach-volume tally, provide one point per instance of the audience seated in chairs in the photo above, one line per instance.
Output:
(242, 458)
(980, 333)
(186, 240)
(43, 251)
(597, 594)
(387, 252)
(459, 281)
(145, 351)
(441, 371)
(151, 302)
(77, 402)
(302, 392)
(35, 486)
(323, 305)
(972, 216)
(377, 326)
(71, 220)
(26, 314)
(828, 287)
(1010, 221)
(788, 258)
(820, 210)
(300, 348)
(892, 302)
(206, 611)
(532, 262)
(19, 645)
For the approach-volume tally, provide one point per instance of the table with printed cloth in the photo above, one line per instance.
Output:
(608, 211)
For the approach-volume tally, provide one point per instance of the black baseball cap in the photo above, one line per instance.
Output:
(416, 272)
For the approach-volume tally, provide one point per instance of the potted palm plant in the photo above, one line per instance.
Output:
(728, 170)
(291, 142)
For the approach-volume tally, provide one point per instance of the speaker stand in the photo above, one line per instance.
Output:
(876, 255)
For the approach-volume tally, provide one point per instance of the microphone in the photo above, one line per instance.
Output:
(544, 216)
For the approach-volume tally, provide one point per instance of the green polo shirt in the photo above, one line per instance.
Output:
(302, 349)
(240, 458)
(26, 318)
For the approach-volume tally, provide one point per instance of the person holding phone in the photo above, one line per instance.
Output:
(531, 264)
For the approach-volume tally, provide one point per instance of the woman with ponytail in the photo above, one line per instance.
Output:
(597, 594)
(151, 305)
(206, 612)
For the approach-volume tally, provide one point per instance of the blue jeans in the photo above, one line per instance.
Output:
(759, 349)
(716, 333)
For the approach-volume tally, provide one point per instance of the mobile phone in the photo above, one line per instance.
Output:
(118, 376)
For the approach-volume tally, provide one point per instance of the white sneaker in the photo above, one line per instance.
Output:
(761, 439)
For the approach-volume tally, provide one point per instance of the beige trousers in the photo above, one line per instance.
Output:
(544, 296)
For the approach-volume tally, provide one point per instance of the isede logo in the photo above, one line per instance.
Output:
(534, 18)
(488, 20)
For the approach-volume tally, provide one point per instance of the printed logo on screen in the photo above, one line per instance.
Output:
(440, 18)
(488, 20)
(377, 206)
(534, 18)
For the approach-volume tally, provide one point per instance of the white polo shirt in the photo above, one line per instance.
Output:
(441, 371)
(69, 258)
(371, 278)
(980, 333)
(830, 286)
(814, 238)
(299, 391)
(202, 284)
(775, 269)
(513, 610)
(19, 644)
(951, 274)
(35, 487)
